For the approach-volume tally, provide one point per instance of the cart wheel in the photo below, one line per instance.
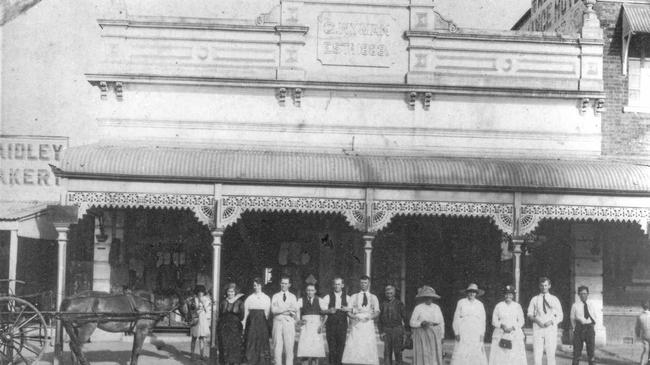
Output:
(23, 332)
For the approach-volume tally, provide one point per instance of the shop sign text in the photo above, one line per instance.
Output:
(25, 160)
(355, 39)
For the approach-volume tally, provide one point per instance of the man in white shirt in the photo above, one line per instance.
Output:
(545, 310)
(337, 320)
(284, 307)
(642, 331)
(584, 317)
(361, 344)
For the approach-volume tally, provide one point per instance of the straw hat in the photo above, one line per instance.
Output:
(473, 287)
(427, 292)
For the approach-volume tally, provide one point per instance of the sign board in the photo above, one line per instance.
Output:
(356, 39)
(25, 174)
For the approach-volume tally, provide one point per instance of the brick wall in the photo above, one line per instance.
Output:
(624, 134)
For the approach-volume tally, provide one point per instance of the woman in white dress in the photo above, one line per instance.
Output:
(361, 343)
(508, 346)
(200, 329)
(469, 327)
(311, 346)
(427, 328)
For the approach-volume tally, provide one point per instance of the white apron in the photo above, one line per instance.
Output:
(311, 343)
(361, 344)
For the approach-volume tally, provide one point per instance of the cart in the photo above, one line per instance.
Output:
(24, 331)
(24, 334)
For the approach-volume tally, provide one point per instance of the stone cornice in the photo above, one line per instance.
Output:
(96, 79)
(184, 24)
(505, 36)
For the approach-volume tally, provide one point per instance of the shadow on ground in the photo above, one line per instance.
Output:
(583, 359)
(123, 357)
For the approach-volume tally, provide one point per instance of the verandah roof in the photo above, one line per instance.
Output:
(211, 165)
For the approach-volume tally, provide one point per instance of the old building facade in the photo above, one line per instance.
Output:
(320, 137)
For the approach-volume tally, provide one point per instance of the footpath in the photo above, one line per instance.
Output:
(174, 350)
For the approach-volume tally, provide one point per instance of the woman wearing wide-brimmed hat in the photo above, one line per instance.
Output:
(508, 346)
(469, 328)
(428, 329)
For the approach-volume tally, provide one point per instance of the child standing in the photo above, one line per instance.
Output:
(201, 320)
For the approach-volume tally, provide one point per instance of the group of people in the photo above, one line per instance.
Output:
(348, 322)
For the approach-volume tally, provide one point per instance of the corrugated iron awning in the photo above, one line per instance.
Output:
(162, 163)
(636, 20)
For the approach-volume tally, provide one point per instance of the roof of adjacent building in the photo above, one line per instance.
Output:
(19, 210)
(638, 17)
(211, 165)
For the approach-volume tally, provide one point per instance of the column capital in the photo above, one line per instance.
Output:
(518, 240)
(216, 236)
(62, 232)
(61, 227)
(368, 238)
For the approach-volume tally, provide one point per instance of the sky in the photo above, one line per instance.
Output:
(485, 14)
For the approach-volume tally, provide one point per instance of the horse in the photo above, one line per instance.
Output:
(131, 312)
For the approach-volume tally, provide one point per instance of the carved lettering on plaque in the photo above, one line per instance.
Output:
(356, 39)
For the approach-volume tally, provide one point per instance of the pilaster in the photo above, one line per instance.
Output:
(103, 238)
(216, 289)
(13, 258)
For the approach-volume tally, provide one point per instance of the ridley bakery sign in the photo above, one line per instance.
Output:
(25, 173)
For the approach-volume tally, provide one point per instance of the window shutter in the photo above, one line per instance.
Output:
(634, 81)
(644, 94)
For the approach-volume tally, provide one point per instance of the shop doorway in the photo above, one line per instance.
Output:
(446, 253)
(306, 247)
(549, 253)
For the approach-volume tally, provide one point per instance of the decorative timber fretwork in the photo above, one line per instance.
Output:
(201, 205)
(384, 210)
(233, 206)
(532, 214)
(380, 214)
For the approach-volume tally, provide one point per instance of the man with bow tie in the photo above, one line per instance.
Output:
(584, 317)
(361, 344)
(284, 307)
(546, 313)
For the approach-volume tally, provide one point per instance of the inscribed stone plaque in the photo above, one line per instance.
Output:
(356, 39)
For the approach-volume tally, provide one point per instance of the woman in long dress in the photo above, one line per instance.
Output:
(508, 319)
(469, 327)
(256, 314)
(230, 329)
(311, 346)
(427, 329)
(200, 329)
